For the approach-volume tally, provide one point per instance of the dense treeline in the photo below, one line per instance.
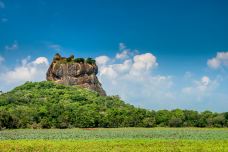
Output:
(48, 105)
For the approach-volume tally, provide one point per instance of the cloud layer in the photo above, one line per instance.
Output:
(221, 60)
(131, 76)
(26, 71)
(12, 47)
(201, 88)
(1, 59)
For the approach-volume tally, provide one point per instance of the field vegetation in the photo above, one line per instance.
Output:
(115, 139)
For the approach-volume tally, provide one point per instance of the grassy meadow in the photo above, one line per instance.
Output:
(116, 139)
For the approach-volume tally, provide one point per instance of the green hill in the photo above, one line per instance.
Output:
(46, 104)
(49, 105)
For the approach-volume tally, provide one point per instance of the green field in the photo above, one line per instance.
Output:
(118, 139)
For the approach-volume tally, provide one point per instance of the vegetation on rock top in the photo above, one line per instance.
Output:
(71, 59)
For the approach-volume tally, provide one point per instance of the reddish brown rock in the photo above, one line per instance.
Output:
(69, 71)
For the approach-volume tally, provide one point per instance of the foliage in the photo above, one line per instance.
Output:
(175, 122)
(90, 61)
(49, 105)
(71, 60)
(79, 60)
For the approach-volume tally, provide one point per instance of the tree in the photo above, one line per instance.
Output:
(204, 116)
(149, 122)
(175, 122)
(219, 121)
(162, 117)
(190, 118)
(178, 113)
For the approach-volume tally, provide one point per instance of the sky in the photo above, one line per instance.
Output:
(153, 54)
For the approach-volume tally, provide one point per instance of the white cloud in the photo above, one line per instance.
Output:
(108, 72)
(143, 63)
(140, 64)
(123, 67)
(55, 47)
(1, 59)
(102, 60)
(136, 81)
(27, 71)
(113, 70)
(2, 5)
(221, 60)
(122, 46)
(213, 63)
(133, 79)
(14, 46)
(122, 55)
(201, 88)
(205, 80)
(125, 52)
(41, 60)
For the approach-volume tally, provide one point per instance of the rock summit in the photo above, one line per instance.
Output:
(75, 72)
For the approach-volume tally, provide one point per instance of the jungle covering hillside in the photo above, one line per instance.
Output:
(49, 105)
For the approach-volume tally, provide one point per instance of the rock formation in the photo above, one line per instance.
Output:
(75, 72)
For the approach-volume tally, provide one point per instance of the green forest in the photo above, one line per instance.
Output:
(49, 105)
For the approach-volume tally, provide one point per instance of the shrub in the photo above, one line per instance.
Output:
(149, 122)
(79, 60)
(57, 56)
(175, 122)
(71, 58)
(90, 61)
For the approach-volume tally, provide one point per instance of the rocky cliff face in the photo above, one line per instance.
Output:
(75, 72)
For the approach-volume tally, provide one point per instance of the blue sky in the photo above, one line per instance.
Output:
(180, 46)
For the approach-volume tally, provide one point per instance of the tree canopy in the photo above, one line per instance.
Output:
(49, 105)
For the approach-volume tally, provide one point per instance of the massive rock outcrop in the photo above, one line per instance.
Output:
(75, 72)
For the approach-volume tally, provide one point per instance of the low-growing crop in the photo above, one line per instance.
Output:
(115, 140)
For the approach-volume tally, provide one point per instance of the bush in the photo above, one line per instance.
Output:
(79, 60)
(90, 61)
(70, 59)
(219, 121)
(149, 122)
(175, 122)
